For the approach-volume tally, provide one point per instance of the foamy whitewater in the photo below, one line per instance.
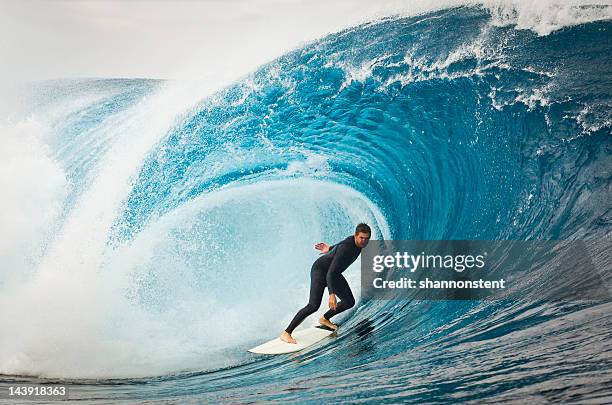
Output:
(153, 231)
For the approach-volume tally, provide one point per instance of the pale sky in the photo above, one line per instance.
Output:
(174, 39)
(166, 39)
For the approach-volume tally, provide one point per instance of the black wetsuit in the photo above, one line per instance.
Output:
(326, 271)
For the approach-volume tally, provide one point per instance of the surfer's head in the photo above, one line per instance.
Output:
(362, 235)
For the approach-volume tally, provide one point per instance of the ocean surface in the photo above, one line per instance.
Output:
(154, 239)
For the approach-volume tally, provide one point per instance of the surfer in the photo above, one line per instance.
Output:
(326, 271)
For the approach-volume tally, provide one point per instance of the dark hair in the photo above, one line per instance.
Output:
(365, 228)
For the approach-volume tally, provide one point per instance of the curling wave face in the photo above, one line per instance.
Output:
(176, 238)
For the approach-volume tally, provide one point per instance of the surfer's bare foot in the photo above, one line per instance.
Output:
(327, 323)
(286, 337)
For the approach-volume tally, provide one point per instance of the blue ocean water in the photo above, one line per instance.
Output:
(181, 239)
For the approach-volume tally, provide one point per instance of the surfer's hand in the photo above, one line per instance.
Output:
(323, 247)
(332, 301)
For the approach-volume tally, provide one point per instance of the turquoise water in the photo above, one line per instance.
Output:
(178, 238)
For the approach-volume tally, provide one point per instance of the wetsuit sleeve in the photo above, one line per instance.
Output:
(335, 266)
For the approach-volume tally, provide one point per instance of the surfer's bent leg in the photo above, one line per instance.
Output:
(317, 287)
(343, 291)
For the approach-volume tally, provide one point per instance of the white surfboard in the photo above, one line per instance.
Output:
(305, 337)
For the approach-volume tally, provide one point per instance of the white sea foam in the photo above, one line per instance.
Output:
(33, 187)
(546, 16)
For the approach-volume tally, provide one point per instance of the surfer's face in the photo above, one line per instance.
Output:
(361, 239)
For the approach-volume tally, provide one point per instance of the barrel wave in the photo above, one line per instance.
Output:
(168, 234)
